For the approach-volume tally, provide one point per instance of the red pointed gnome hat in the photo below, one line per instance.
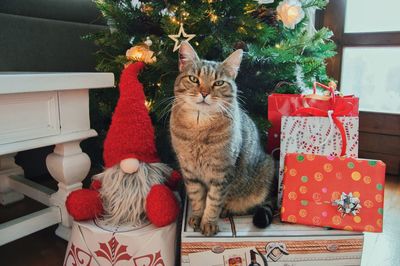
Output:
(131, 134)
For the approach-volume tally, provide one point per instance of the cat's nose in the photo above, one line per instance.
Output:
(204, 94)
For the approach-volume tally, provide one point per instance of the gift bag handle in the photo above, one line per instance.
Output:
(331, 89)
(339, 110)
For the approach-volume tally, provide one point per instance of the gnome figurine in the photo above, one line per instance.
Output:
(135, 186)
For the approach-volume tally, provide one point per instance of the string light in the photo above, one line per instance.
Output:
(278, 45)
(213, 18)
(249, 9)
(185, 15)
(148, 104)
(241, 29)
(147, 9)
(174, 20)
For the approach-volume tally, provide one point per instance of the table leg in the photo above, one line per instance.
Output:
(8, 167)
(69, 166)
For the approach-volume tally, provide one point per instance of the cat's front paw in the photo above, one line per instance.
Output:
(194, 222)
(209, 228)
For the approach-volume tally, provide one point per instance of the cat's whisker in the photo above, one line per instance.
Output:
(224, 110)
(229, 105)
(161, 103)
(166, 110)
(172, 101)
(178, 103)
(240, 99)
(166, 99)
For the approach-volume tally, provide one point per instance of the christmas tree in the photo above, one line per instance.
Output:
(283, 50)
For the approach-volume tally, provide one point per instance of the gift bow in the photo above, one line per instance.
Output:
(342, 109)
(348, 204)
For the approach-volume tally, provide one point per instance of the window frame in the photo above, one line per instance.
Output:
(379, 132)
(333, 17)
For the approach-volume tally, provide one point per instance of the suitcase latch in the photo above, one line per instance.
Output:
(275, 250)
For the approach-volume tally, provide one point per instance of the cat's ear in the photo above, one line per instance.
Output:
(232, 63)
(187, 55)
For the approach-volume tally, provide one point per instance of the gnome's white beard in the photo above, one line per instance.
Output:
(124, 195)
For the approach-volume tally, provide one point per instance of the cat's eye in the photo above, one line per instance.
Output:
(219, 83)
(193, 79)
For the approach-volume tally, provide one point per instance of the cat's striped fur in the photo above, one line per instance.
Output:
(217, 145)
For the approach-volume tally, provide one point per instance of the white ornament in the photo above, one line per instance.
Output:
(136, 3)
(180, 37)
(148, 41)
(167, 12)
(129, 165)
(290, 12)
(310, 14)
(263, 2)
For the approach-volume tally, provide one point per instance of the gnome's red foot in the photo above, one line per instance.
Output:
(84, 204)
(162, 207)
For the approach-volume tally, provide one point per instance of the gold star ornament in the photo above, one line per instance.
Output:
(180, 37)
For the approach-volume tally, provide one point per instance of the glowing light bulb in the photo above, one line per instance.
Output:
(241, 29)
(213, 18)
(148, 104)
(174, 20)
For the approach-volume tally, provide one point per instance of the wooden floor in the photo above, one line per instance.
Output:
(45, 249)
(384, 249)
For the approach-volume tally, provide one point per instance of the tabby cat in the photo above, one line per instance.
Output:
(217, 145)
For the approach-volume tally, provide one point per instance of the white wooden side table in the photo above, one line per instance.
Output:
(37, 110)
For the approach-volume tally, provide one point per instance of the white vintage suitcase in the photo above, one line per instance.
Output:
(95, 245)
(279, 244)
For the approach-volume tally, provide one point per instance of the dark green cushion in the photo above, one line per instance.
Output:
(35, 44)
(83, 11)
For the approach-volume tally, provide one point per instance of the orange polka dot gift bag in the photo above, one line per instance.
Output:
(333, 191)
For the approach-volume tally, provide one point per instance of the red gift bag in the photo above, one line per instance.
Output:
(285, 104)
(338, 192)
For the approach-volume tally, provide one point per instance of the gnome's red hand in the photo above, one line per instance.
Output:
(85, 204)
(174, 180)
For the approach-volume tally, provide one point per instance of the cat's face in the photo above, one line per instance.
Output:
(205, 86)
